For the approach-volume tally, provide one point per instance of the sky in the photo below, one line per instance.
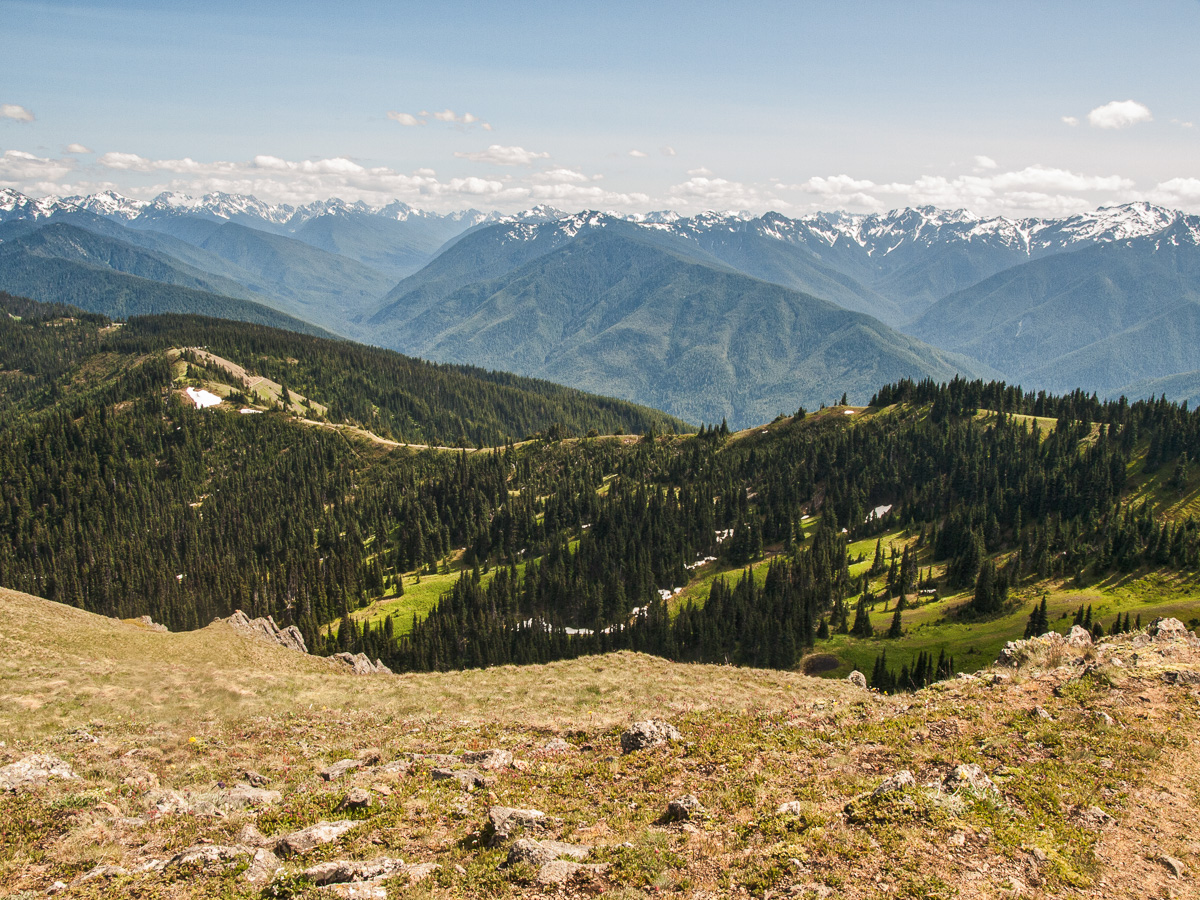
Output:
(1001, 108)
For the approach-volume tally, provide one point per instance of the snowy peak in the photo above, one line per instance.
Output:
(109, 204)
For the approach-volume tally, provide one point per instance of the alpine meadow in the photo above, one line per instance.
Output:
(479, 452)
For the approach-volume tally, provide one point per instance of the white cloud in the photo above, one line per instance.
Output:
(710, 192)
(667, 150)
(1183, 124)
(15, 112)
(1070, 120)
(21, 170)
(1119, 114)
(129, 162)
(1177, 192)
(701, 172)
(405, 118)
(637, 154)
(984, 162)
(77, 148)
(561, 176)
(504, 156)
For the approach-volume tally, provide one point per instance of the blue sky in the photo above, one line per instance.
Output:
(629, 106)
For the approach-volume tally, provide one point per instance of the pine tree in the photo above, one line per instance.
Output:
(897, 629)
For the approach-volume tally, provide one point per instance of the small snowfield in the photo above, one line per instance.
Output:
(202, 398)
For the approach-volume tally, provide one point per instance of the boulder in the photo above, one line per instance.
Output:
(858, 679)
(167, 803)
(33, 772)
(1079, 636)
(149, 624)
(246, 797)
(264, 866)
(898, 782)
(969, 777)
(560, 871)
(650, 733)
(338, 769)
(204, 855)
(1167, 630)
(538, 853)
(504, 821)
(791, 808)
(684, 808)
(249, 836)
(357, 798)
(1172, 865)
(488, 760)
(312, 837)
(342, 871)
(468, 778)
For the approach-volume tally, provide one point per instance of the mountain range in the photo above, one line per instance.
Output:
(717, 315)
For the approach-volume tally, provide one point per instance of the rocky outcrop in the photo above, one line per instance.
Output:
(289, 637)
(684, 808)
(359, 664)
(1168, 630)
(149, 624)
(33, 772)
(1047, 650)
(1079, 636)
(895, 783)
(858, 679)
(969, 778)
(314, 836)
(651, 733)
(505, 821)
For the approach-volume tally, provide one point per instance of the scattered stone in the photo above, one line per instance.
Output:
(360, 664)
(264, 866)
(167, 803)
(1103, 718)
(149, 624)
(442, 760)
(33, 772)
(468, 778)
(1172, 865)
(396, 767)
(504, 821)
(1039, 713)
(1167, 630)
(858, 679)
(312, 837)
(1039, 855)
(420, 871)
(84, 737)
(289, 637)
(338, 769)
(791, 808)
(343, 871)
(650, 733)
(1079, 636)
(254, 779)
(538, 853)
(685, 808)
(969, 777)
(488, 760)
(557, 745)
(244, 796)
(357, 798)
(57, 888)
(560, 871)
(898, 782)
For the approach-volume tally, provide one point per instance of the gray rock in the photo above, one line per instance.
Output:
(289, 637)
(168, 803)
(1079, 636)
(650, 733)
(357, 890)
(969, 777)
(898, 782)
(244, 797)
(356, 798)
(312, 837)
(538, 853)
(204, 855)
(420, 871)
(858, 679)
(340, 768)
(557, 745)
(1182, 677)
(1173, 865)
(1039, 713)
(1094, 815)
(360, 664)
(560, 871)
(33, 772)
(1167, 630)
(468, 778)
(343, 871)
(254, 779)
(264, 866)
(149, 624)
(791, 808)
(504, 821)
(101, 871)
(250, 836)
(1103, 718)
(684, 808)
(488, 760)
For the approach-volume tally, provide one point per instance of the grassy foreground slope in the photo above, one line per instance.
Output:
(1093, 765)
